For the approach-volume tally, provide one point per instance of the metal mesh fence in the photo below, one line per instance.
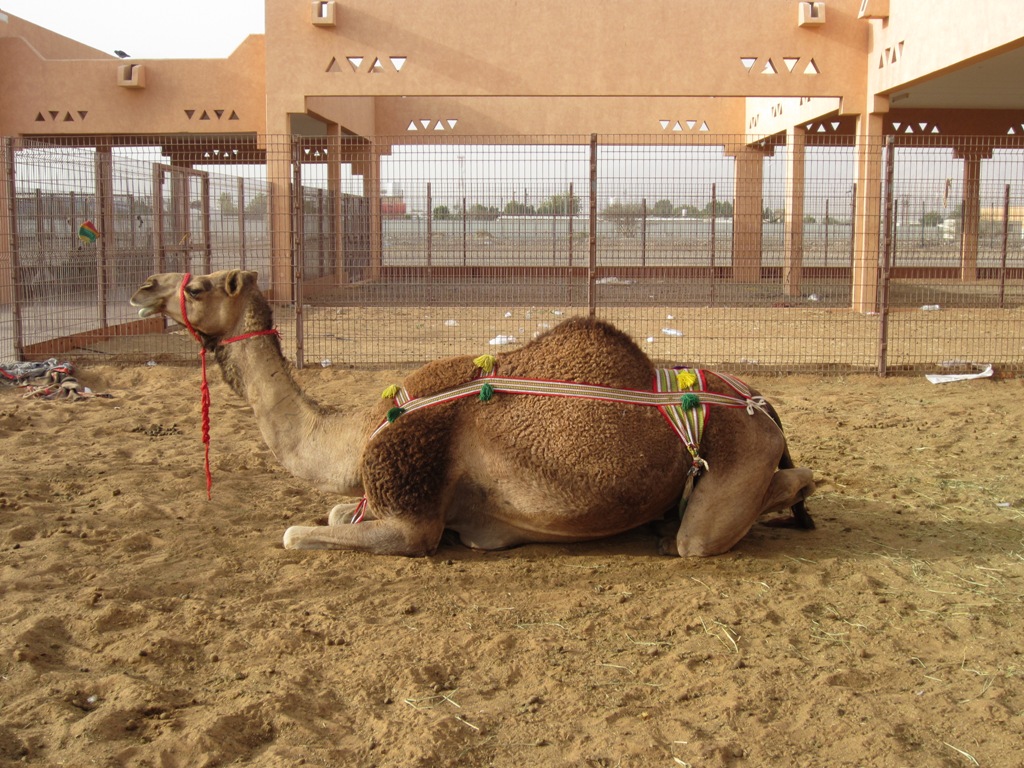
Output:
(398, 250)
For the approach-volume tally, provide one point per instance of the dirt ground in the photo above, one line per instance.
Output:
(143, 625)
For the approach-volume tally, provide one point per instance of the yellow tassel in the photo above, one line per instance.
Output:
(390, 392)
(485, 362)
(685, 379)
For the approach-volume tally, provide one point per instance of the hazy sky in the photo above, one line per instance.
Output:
(150, 29)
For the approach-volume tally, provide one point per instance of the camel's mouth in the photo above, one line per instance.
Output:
(148, 305)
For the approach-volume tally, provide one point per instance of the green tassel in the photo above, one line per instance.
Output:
(486, 393)
(394, 413)
(690, 401)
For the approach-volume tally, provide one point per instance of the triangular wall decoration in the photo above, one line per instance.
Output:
(812, 68)
(355, 62)
(234, 115)
(790, 62)
(334, 66)
(82, 114)
(769, 68)
(189, 113)
(376, 68)
(748, 62)
(398, 62)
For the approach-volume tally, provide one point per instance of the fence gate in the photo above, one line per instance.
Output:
(181, 222)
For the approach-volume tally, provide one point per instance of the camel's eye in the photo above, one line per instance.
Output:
(193, 293)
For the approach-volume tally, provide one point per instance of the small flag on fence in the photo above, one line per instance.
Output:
(88, 233)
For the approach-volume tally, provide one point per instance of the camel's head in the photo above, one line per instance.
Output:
(215, 303)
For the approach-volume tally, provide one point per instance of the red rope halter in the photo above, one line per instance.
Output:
(204, 386)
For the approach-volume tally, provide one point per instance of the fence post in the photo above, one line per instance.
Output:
(204, 184)
(1006, 238)
(105, 220)
(888, 225)
(643, 232)
(241, 221)
(298, 260)
(10, 268)
(592, 267)
(158, 218)
(430, 237)
(826, 231)
(572, 217)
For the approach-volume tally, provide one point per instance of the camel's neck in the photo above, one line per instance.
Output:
(310, 441)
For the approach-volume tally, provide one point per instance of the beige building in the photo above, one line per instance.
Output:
(362, 74)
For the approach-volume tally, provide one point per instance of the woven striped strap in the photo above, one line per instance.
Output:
(680, 395)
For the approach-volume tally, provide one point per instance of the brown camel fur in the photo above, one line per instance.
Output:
(514, 470)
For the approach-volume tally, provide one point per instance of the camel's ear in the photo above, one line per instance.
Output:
(238, 279)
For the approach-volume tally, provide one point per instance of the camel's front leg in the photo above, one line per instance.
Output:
(390, 536)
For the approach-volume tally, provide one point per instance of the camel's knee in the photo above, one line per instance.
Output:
(788, 488)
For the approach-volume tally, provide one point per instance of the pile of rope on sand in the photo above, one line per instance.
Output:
(48, 380)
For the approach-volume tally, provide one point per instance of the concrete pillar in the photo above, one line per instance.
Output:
(368, 166)
(792, 268)
(334, 160)
(972, 157)
(867, 220)
(747, 215)
(280, 282)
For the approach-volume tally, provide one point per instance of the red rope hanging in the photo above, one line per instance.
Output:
(205, 386)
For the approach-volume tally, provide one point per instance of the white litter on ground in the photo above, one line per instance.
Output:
(947, 378)
(501, 340)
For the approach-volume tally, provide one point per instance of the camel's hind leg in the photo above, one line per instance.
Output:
(724, 506)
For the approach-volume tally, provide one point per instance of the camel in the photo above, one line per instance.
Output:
(505, 469)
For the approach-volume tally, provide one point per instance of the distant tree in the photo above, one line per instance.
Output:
(559, 205)
(482, 212)
(664, 208)
(931, 219)
(722, 209)
(226, 204)
(625, 217)
(442, 213)
(257, 206)
(516, 208)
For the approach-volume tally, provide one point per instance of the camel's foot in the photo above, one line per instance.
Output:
(788, 489)
(381, 537)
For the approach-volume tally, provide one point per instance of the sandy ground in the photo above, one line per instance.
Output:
(143, 625)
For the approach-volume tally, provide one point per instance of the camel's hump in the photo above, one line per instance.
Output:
(577, 349)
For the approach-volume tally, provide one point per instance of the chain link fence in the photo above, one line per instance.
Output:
(398, 250)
